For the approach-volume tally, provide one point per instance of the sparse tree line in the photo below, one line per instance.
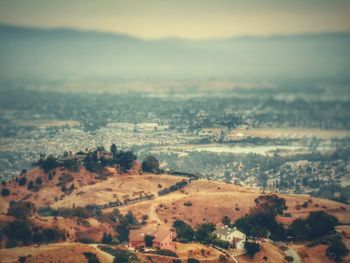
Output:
(96, 160)
(93, 161)
(173, 187)
(23, 231)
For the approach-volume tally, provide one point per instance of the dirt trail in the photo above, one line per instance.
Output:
(108, 258)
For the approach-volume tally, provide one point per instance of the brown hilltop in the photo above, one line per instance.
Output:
(209, 200)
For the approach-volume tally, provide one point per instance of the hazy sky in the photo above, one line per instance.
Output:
(182, 18)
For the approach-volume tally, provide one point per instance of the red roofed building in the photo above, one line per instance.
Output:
(163, 238)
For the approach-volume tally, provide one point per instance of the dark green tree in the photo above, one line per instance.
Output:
(106, 238)
(22, 181)
(251, 248)
(126, 159)
(150, 164)
(149, 240)
(114, 150)
(203, 232)
(321, 223)
(337, 250)
(184, 231)
(5, 192)
(226, 221)
(21, 209)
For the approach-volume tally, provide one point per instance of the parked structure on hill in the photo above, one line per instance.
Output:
(236, 238)
(162, 238)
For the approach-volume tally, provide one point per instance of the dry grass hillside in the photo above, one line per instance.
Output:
(55, 253)
(90, 188)
(211, 200)
(200, 201)
(207, 201)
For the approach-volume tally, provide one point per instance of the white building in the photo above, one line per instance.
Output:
(236, 238)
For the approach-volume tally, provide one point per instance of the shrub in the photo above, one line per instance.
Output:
(30, 185)
(188, 203)
(5, 192)
(38, 181)
(47, 211)
(226, 221)
(107, 238)
(22, 181)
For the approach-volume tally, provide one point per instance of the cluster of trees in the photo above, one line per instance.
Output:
(316, 225)
(79, 212)
(125, 223)
(47, 164)
(261, 225)
(95, 161)
(22, 232)
(203, 234)
(21, 209)
(261, 221)
(172, 188)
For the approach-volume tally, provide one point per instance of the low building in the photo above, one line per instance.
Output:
(163, 238)
(235, 237)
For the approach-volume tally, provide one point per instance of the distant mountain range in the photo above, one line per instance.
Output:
(67, 54)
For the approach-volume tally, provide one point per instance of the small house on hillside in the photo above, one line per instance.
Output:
(235, 237)
(163, 238)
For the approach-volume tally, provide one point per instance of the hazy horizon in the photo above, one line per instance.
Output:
(182, 19)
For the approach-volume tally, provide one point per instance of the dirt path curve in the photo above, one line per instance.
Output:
(153, 216)
(108, 258)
